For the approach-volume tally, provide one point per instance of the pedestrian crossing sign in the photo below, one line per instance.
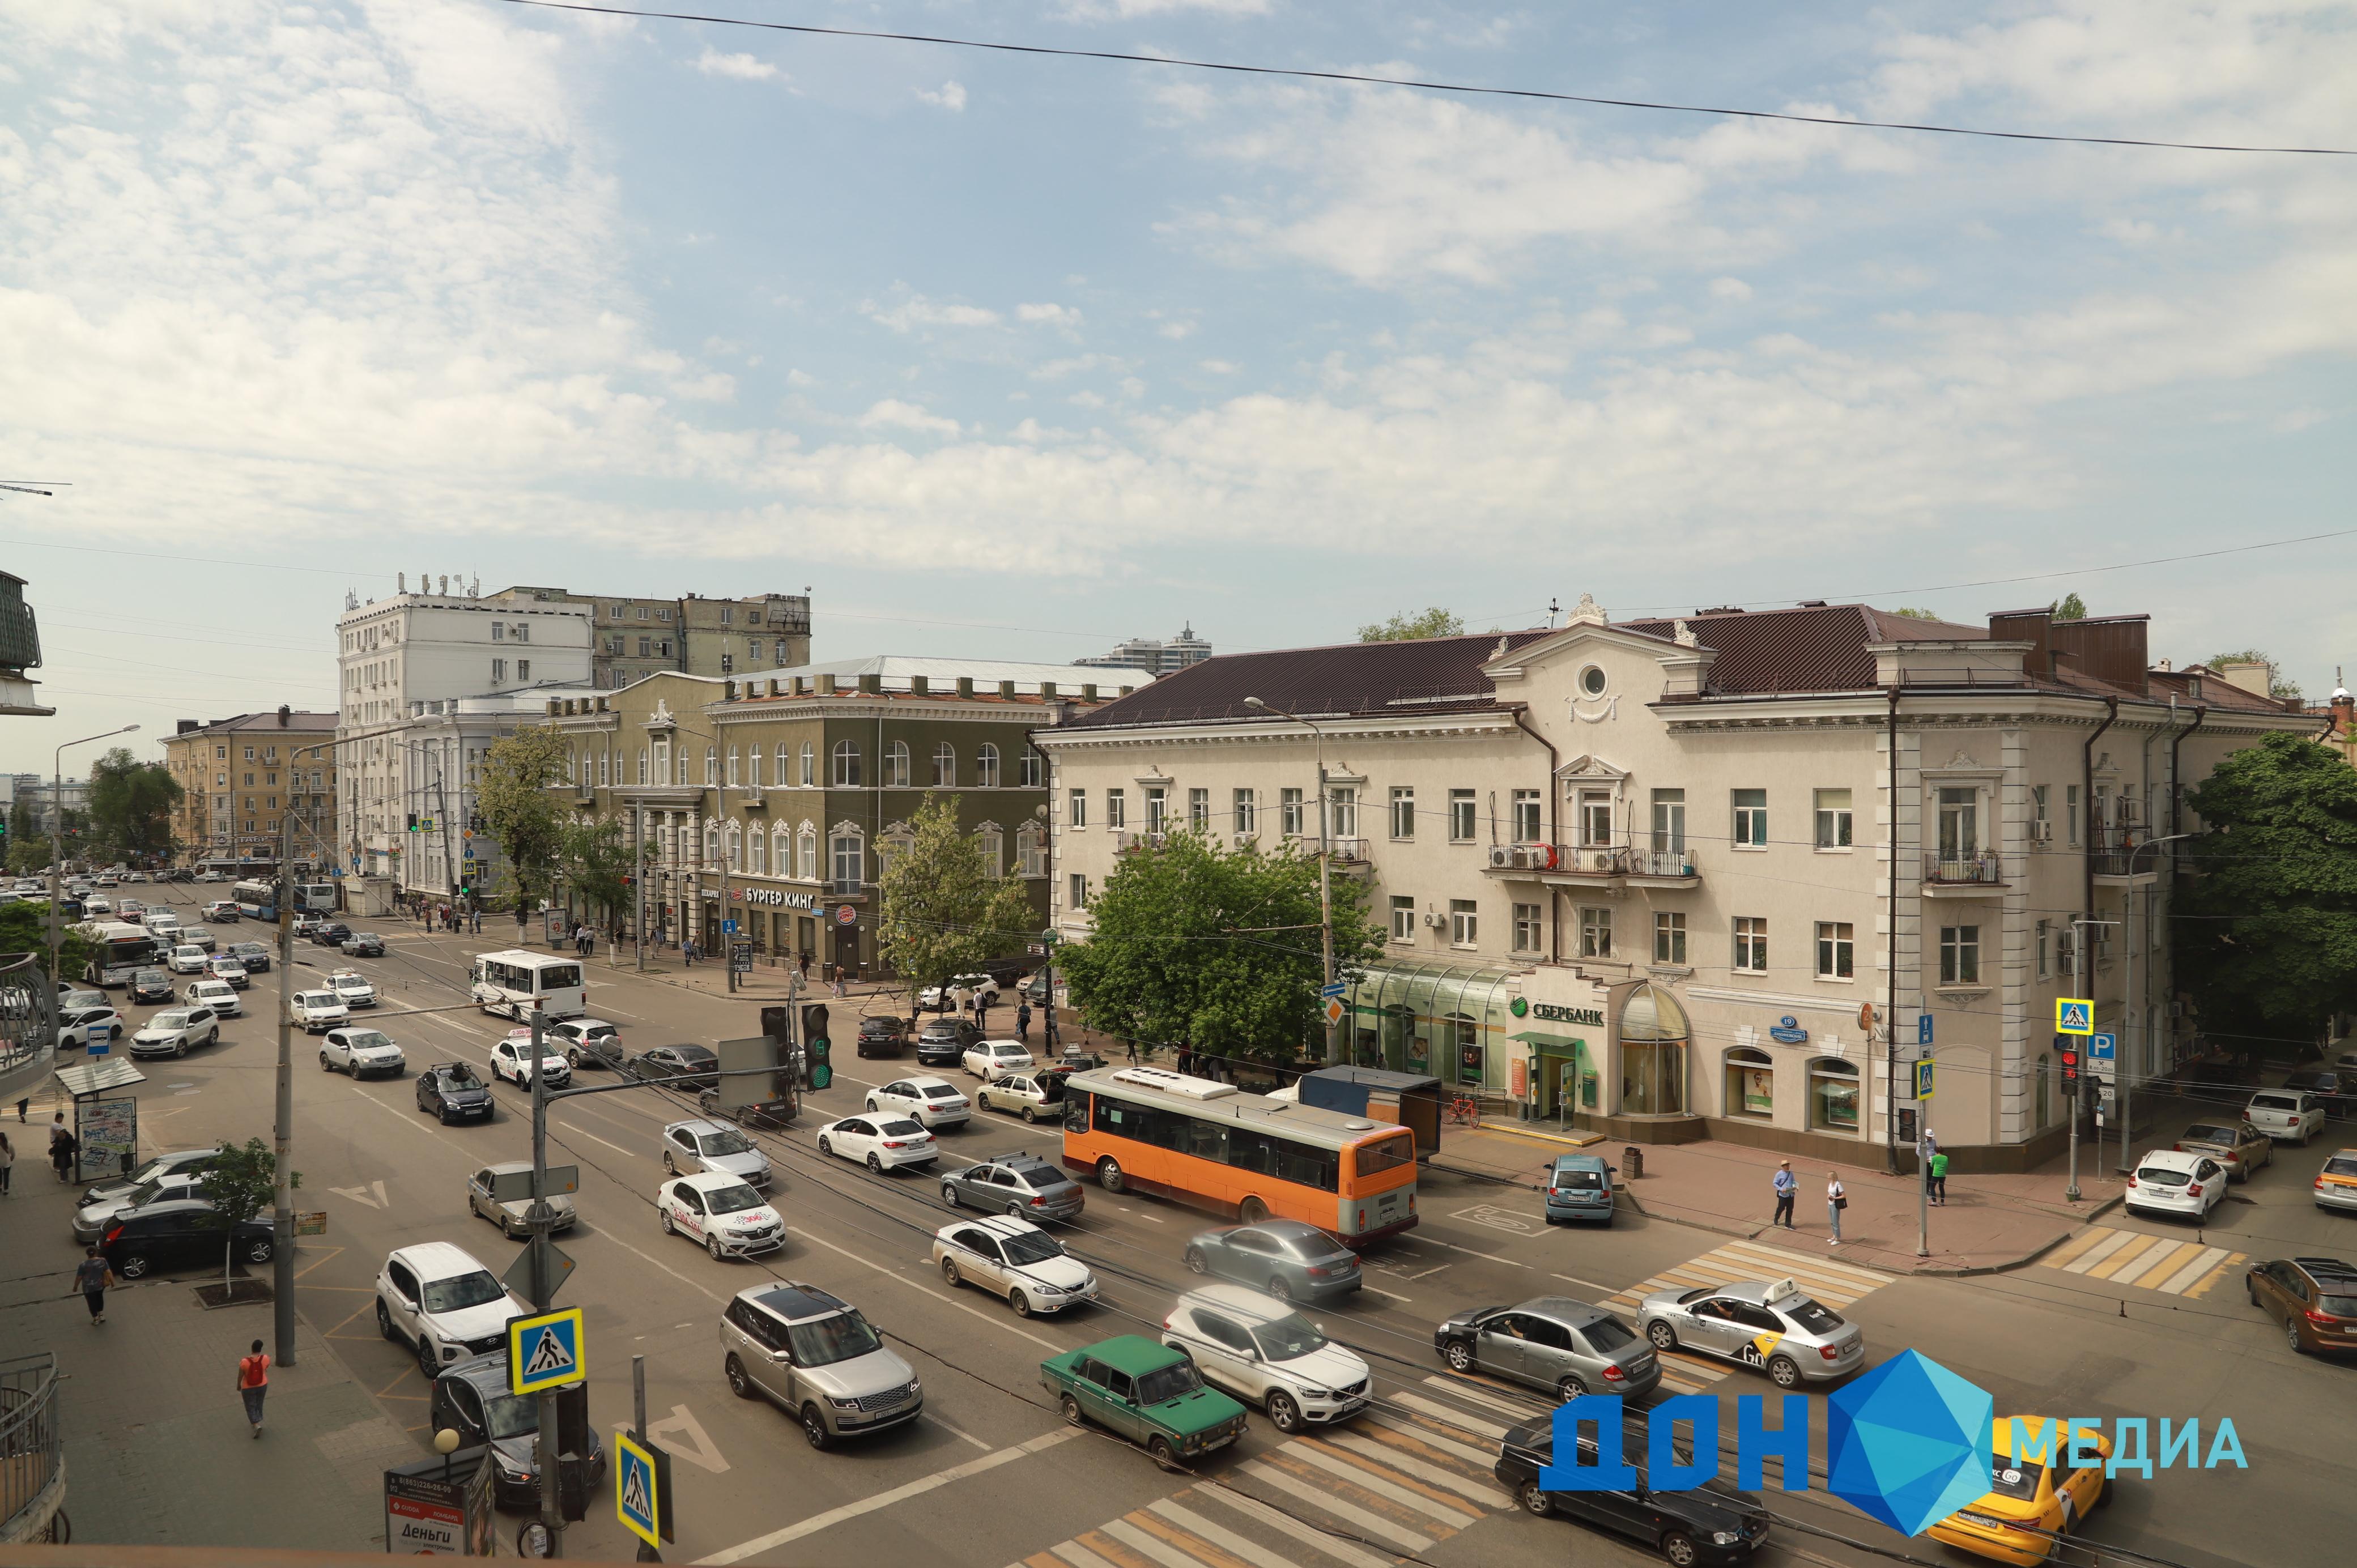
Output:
(641, 1474)
(544, 1352)
(2074, 1015)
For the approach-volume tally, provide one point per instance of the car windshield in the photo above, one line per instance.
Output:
(2015, 1478)
(152, 977)
(168, 1020)
(2207, 1134)
(728, 1140)
(146, 1173)
(941, 1091)
(2158, 1175)
(510, 1416)
(1040, 1179)
(460, 1077)
(351, 983)
(1168, 1383)
(1813, 1318)
(1606, 1334)
(1006, 1050)
(367, 1040)
(1289, 1338)
(823, 1341)
(1030, 1247)
(318, 999)
(903, 1128)
(144, 1193)
(1578, 1181)
(461, 1291)
(2337, 1305)
(731, 1199)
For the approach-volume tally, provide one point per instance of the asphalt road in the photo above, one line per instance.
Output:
(990, 1476)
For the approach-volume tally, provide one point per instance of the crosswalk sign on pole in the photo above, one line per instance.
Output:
(544, 1352)
(1923, 1079)
(641, 1489)
(2074, 1015)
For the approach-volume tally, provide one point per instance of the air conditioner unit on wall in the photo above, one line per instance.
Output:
(2041, 832)
(1502, 857)
(1432, 920)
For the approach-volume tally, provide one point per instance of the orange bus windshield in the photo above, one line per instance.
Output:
(1383, 1156)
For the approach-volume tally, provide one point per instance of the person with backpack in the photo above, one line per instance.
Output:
(252, 1383)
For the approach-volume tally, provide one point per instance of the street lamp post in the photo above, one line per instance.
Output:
(1325, 870)
(58, 844)
(2127, 999)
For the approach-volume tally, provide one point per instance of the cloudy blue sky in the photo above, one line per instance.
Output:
(1017, 356)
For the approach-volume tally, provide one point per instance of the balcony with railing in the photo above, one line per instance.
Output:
(1575, 865)
(1962, 871)
(2122, 857)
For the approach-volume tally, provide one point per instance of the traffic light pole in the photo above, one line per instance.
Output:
(282, 1216)
(542, 1219)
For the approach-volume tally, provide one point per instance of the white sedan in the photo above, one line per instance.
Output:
(964, 989)
(884, 1143)
(729, 1218)
(189, 958)
(997, 1058)
(353, 987)
(933, 1103)
(1021, 1093)
(1015, 1259)
(511, 1059)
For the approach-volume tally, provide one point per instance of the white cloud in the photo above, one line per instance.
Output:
(893, 415)
(916, 310)
(1107, 10)
(1048, 315)
(1177, 330)
(951, 97)
(1729, 288)
(743, 67)
(1218, 367)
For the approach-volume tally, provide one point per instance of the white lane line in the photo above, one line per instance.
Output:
(1278, 1520)
(1227, 1540)
(1149, 1544)
(2190, 1271)
(1469, 1253)
(1079, 1556)
(1446, 1416)
(885, 1500)
(2102, 1249)
(888, 1272)
(1425, 1470)
(594, 1139)
(1584, 1284)
(935, 1417)
(1377, 1290)
(1372, 1523)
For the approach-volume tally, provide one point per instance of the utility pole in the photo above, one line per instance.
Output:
(282, 1219)
(2128, 991)
(543, 1290)
(639, 880)
(2079, 984)
(1325, 870)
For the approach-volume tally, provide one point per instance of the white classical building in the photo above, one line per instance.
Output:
(1677, 878)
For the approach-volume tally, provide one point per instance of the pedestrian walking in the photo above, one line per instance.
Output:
(7, 1163)
(1939, 1178)
(1788, 1187)
(1023, 1022)
(981, 1008)
(20, 1108)
(92, 1276)
(63, 1146)
(1132, 1053)
(1836, 1200)
(252, 1383)
(805, 968)
(477, 916)
(588, 941)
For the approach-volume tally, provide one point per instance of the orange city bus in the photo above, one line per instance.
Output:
(1210, 1145)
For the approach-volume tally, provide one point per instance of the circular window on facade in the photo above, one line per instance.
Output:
(1591, 681)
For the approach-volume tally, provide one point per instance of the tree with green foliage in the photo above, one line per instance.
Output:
(2069, 606)
(593, 858)
(1434, 622)
(1215, 950)
(130, 805)
(25, 928)
(1917, 613)
(241, 1182)
(942, 910)
(521, 810)
(2278, 686)
(2265, 931)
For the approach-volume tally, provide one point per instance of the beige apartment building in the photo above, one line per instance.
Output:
(240, 777)
(1652, 876)
(631, 639)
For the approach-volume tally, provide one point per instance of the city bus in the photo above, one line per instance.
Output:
(122, 950)
(1211, 1146)
(256, 900)
(515, 982)
(314, 897)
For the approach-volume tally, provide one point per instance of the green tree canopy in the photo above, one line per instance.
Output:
(130, 806)
(25, 928)
(1434, 622)
(2278, 686)
(2266, 932)
(519, 810)
(1214, 949)
(594, 859)
(941, 912)
(2069, 606)
(242, 1182)
(1919, 613)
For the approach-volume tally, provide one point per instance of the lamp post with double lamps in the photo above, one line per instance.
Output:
(58, 843)
(1325, 870)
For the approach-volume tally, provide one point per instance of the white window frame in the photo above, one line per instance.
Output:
(1403, 812)
(1836, 951)
(1594, 930)
(1403, 917)
(1835, 820)
(1464, 923)
(1750, 951)
(1464, 816)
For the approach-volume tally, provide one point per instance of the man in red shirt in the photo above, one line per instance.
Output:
(253, 1382)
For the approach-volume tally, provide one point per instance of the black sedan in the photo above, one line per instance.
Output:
(180, 1233)
(2336, 1090)
(363, 944)
(454, 1093)
(152, 986)
(254, 955)
(1713, 1523)
(692, 1066)
(471, 1398)
(883, 1036)
(942, 1041)
(330, 933)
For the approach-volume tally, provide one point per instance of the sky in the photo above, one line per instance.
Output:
(1015, 355)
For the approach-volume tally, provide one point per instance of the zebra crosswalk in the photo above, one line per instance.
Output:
(1391, 1483)
(2162, 1263)
(1836, 1285)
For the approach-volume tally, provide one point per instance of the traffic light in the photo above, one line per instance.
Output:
(413, 821)
(2066, 1051)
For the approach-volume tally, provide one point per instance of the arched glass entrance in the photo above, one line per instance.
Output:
(1653, 1038)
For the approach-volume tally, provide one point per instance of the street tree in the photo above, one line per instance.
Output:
(1434, 622)
(1214, 949)
(130, 805)
(25, 928)
(2278, 686)
(593, 857)
(241, 1182)
(942, 910)
(2069, 606)
(520, 810)
(2266, 931)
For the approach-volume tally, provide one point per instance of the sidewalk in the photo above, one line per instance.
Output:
(158, 1450)
(1990, 1222)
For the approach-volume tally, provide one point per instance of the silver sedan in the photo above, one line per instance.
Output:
(485, 1191)
(1772, 1325)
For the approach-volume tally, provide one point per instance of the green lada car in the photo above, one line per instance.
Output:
(1149, 1394)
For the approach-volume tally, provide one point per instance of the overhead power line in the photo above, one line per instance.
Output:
(1423, 84)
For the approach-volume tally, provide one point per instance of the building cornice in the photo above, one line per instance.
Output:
(1497, 721)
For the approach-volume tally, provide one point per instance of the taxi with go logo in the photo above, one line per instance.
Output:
(2044, 1482)
(1775, 1327)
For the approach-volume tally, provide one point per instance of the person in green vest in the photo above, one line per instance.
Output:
(1939, 1177)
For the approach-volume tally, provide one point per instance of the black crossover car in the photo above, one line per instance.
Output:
(1713, 1523)
(883, 1036)
(180, 1233)
(471, 1398)
(254, 955)
(152, 986)
(330, 933)
(942, 1041)
(453, 1093)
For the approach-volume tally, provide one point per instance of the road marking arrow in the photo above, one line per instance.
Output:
(362, 1194)
(684, 1437)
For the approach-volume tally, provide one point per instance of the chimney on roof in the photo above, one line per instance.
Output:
(188, 724)
(825, 684)
(1006, 688)
(1088, 692)
(2251, 675)
(284, 714)
(1048, 690)
(965, 685)
(872, 684)
(2033, 627)
(2162, 666)
(920, 686)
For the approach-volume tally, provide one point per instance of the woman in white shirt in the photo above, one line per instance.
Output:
(1836, 1200)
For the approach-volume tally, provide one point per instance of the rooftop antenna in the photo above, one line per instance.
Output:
(1554, 609)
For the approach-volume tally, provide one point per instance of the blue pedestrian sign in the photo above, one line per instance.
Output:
(640, 1473)
(728, 928)
(1924, 1030)
(544, 1352)
(2103, 1047)
(2074, 1015)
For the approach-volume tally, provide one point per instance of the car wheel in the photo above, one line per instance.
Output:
(2104, 1493)
(950, 1276)
(712, 1245)
(1283, 1414)
(815, 1427)
(1157, 1449)
(824, 1146)
(876, 1165)
(1567, 1389)
(384, 1321)
(2252, 1291)
(426, 1362)
(1458, 1354)
(1252, 1211)
(180, 1047)
(1663, 1336)
(1196, 1262)
(1280, 1287)
(2291, 1338)
(1679, 1548)
(1030, 1113)
(1071, 1408)
(1019, 1302)
(950, 1195)
(1109, 1175)
(260, 1250)
(671, 1169)
(738, 1383)
(1784, 1372)
(1533, 1499)
(667, 1228)
(134, 1267)
(871, 1104)
(325, 1066)
(573, 1058)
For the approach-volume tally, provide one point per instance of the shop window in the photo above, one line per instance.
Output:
(1465, 1034)
(1833, 1096)
(1750, 1083)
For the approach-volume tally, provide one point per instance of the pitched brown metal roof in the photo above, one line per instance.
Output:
(1815, 649)
(1438, 674)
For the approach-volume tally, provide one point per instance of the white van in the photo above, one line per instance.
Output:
(516, 981)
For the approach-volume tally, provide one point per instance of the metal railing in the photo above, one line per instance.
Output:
(28, 1011)
(1662, 863)
(1985, 869)
(21, 633)
(31, 1451)
(1598, 860)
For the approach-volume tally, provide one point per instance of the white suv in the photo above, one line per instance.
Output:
(353, 987)
(441, 1301)
(2287, 1116)
(1265, 1353)
(316, 1010)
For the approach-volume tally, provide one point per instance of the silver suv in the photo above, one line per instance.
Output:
(815, 1356)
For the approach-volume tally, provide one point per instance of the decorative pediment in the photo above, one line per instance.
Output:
(1591, 768)
(847, 828)
(662, 718)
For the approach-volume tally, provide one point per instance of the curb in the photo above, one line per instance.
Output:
(1512, 1130)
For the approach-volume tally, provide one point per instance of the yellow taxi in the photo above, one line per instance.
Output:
(2035, 1495)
